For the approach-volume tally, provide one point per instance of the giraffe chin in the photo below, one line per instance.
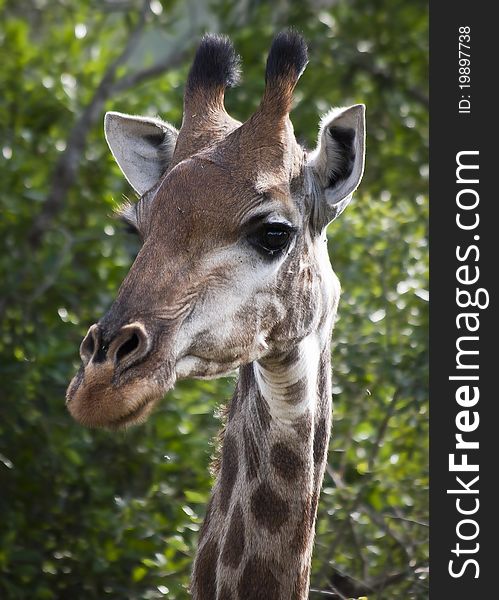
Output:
(96, 404)
(202, 368)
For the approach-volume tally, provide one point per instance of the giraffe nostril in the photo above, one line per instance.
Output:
(132, 342)
(128, 347)
(89, 344)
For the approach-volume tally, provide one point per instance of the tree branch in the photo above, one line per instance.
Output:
(382, 430)
(133, 79)
(384, 76)
(66, 168)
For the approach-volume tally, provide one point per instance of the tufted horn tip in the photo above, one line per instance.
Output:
(216, 66)
(287, 58)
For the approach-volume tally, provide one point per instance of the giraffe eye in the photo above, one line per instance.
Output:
(129, 228)
(272, 238)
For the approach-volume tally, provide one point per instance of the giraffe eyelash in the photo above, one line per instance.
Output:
(127, 214)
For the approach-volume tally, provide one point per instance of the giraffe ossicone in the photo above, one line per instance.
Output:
(233, 273)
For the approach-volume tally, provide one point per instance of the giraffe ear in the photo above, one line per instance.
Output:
(142, 147)
(338, 162)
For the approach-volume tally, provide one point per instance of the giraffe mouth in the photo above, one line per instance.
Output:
(96, 403)
(135, 416)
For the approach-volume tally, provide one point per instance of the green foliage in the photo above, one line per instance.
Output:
(86, 514)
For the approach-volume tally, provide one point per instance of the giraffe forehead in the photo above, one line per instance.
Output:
(200, 197)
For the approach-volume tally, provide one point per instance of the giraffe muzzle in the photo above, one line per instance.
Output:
(115, 387)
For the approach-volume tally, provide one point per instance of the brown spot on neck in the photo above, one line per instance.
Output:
(258, 582)
(228, 472)
(204, 585)
(268, 508)
(207, 520)
(286, 462)
(242, 392)
(303, 426)
(251, 453)
(225, 593)
(262, 410)
(303, 535)
(296, 391)
(321, 438)
(234, 542)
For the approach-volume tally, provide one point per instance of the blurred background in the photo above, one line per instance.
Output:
(93, 515)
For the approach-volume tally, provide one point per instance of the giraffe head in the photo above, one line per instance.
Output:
(233, 264)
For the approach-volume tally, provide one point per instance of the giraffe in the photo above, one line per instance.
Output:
(233, 273)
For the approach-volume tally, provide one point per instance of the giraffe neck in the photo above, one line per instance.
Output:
(256, 540)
